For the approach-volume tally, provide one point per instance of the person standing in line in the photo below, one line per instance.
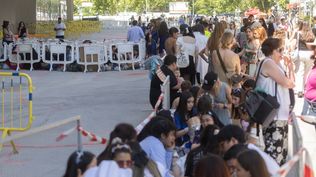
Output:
(135, 33)
(270, 75)
(60, 28)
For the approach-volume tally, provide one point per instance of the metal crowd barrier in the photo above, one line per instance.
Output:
(91, 54)
(23, 52)
(16, 103)
(295, 146)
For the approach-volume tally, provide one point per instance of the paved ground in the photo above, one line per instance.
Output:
(102, 99)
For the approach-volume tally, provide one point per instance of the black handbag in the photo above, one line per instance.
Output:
(262, 107)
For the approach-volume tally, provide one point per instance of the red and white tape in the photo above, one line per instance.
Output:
(140, 126)
(308, 167)
(92, 136)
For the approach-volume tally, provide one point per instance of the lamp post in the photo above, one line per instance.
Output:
(193, 7)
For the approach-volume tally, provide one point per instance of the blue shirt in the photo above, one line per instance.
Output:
(135, 34)
(156, 151)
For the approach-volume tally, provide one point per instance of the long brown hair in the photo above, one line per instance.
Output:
(252, 162)
(214, 40)
(211, 166)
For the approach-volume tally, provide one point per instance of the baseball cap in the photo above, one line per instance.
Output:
(209, 80)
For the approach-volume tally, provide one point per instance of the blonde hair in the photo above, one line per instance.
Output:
(227, 39)
(262, 33)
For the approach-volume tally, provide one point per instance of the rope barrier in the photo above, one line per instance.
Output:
(93, 137)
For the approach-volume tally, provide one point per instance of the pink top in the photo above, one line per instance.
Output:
(310, 86)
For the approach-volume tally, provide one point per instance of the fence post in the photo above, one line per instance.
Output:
(297, 144)
(79, 137)
(166, 91)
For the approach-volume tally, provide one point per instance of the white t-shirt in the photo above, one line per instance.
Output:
(59, 27)
(272, 165)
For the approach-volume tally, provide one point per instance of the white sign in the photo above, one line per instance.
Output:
(179, 7)
(86, 4)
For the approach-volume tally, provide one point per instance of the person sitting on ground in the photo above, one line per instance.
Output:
(125, 132)
(211, 166)
(78, 162)
(183, 113)
(142, 166)
(159, 145)
(221, 92)
(231, 155)
(251, 164)
(121, 153)
(233, 134)
(185, 86)
(206, 114)
(208, 136)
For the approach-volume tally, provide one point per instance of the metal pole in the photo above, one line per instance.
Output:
(193, 6)
(79, 137)
(146, 7)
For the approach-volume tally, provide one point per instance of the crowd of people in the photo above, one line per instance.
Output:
(208, 132)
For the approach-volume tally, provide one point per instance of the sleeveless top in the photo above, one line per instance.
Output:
(222, 114)
(268, 85)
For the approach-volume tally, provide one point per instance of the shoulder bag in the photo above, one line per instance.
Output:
(262, 107)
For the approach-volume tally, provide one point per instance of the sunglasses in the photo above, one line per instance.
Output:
(124, 163)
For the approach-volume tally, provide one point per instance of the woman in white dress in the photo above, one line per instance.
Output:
(200, 43)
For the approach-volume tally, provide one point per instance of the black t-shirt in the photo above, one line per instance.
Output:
(155, 84)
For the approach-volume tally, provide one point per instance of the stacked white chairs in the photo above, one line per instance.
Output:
(3, 52)
(61, 53)
(22, 52)
(91, 54)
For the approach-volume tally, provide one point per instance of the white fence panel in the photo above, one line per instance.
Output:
(91, 54)
(23, 52)
(58, 53)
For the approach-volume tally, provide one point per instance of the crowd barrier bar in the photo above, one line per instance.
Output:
(5, 128)
(45, 128)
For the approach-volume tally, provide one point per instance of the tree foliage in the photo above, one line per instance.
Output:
(206, 7)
